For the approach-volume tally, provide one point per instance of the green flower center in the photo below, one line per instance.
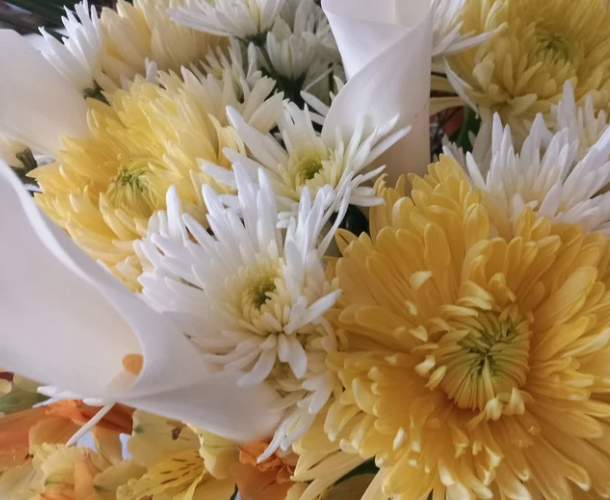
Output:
(488, 357)
(556, 47)
(136, 188)
(259, 293)
(308, 167)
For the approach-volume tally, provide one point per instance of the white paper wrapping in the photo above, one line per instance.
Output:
(386, 47)
(65, 321)
(37, 105)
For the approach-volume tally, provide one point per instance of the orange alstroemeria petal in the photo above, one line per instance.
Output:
(119, 419)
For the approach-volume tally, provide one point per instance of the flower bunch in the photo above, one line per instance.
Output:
(246, 263)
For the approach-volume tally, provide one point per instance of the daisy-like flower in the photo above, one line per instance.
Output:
(306, 161)
(137, 35)
(104, 189)
(79, 57)
(300, 50)
(252, 297)
(520, 72)
(559, 172)
(248, 20)
(476, 364)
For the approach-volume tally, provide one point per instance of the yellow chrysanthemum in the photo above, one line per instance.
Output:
(521, 71)
(478, 365)
(134, 33)
(104, 189)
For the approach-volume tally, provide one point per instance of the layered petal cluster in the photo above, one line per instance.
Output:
(522, 69)
(560, 171)
(243, 19)
(303, 160)
(477, 361)
(251, 296)
(103, 52)
(104, 189)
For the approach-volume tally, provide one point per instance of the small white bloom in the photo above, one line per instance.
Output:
(78, 58)
(560, 172)
(243, 19)
(306, 161)
(300, 47)
(251, 296)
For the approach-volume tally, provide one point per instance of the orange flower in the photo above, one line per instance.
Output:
(119, 419)
(269, 480)
(54, 423)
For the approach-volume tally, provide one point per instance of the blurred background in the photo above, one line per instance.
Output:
(25, 16)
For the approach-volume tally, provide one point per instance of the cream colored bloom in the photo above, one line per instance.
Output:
(251, 296)
(521, 70)
(561, 172)
(135, 33)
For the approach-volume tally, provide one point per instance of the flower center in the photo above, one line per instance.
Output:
(556, 47)
(307, 167)
(484, 357)
(259, 294)
(136, 188)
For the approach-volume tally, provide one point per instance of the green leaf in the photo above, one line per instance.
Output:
(19, 400)
(472, 124)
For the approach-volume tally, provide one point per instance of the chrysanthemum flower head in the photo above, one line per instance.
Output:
(250, 295)
(104, 189)
(305, 161)
(561, 171)
(521, 70)
(477, 364)
(102, 53)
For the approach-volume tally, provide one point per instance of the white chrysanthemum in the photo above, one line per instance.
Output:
(300, 47)
(306, 161)
(251, 296)
(243, 19)
(78, 58)
(560, 172)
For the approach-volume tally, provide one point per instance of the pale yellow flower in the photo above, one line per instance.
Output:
(134, 33)
(478, 365)
(175, 468)
(521, 70)
(104, 189)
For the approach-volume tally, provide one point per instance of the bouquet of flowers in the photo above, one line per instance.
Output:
(284, 250)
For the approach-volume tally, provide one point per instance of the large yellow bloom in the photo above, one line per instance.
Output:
(478, 363)
(521, 70)
(104, 189)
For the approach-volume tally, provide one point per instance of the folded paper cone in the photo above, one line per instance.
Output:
(386, 47)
